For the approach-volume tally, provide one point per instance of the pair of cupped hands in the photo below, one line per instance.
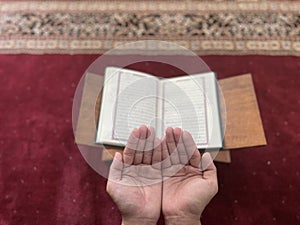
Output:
(166, 175)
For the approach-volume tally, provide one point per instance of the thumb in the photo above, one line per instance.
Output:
(115, 171)
(208, 167)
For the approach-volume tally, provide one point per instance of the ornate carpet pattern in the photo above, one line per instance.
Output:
(206, 27)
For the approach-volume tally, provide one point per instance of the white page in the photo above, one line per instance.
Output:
(130, 100)
(190, 102)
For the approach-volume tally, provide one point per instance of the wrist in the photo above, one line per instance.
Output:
(175, 220)
(140, 221)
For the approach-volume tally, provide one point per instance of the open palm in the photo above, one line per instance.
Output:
(187, 188)
(135, 179)
(170, 175)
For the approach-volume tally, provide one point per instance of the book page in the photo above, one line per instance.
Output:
(129, 101)
(190, 102)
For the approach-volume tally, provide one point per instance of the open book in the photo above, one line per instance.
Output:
(131, 99)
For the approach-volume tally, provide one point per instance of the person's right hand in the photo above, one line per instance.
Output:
(189, 180)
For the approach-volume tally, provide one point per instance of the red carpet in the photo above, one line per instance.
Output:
(45, 180)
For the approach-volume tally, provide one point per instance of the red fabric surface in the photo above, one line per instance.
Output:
(45, 180)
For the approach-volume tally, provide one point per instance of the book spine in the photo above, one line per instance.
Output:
(159, 111)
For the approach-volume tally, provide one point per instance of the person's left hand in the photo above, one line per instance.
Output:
(134, 181)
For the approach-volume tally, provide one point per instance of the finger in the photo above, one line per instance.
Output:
(195, 159)
(183, 156)
(133, 139)
(157, 154)
(130, 148)
(148, 151)
(191, 149)
(165, 154)
(208, 167)
(177, 134)
(115, 172)
(172, 146)
(138, 157)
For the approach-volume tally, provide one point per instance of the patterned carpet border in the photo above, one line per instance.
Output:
(205, 27)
